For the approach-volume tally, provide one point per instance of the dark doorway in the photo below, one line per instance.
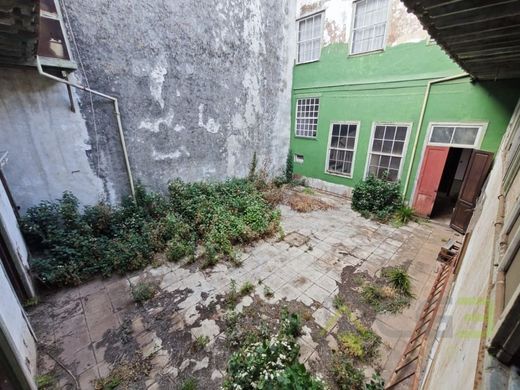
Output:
(451, 182)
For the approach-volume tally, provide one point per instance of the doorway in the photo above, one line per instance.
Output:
(450, 184)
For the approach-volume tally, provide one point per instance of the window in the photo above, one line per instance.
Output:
(387, 151)
(309, 38)
(53, 47)
(341, 148)
(298, 158)
(369, 27)
(459, 135)
(307, 117)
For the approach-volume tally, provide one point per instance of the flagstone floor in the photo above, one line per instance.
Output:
(90, 328)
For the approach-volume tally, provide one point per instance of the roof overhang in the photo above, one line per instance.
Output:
(482, 36)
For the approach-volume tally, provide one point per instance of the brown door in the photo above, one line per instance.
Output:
(476, 173)
(429, 179)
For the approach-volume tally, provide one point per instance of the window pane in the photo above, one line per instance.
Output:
(335, 130)
(398, 147)
(442, 134)
(385, 161)
(377, 145)
(390, 133)
(387, 147)
(465, 135)
(395, 162)
(392, 174)
(351, 143)
(400, 134)
(380, 132)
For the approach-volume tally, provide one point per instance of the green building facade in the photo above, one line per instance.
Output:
(359, 114)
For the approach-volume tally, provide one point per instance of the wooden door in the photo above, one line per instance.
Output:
(429, 179)
(476, 174)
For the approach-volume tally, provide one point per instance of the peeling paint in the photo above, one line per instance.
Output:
(158, 124)
(182, 151)
(157, 80)
(210, 126)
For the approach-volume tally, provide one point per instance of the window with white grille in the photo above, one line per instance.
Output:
(369, 27)
(387, 151)
(342, 148)
(460, 135)
(307, 117)
(309, 38)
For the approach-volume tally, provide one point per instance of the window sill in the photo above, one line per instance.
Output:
(306, 62)
(338, 175)
(303, 137)
(365, 53)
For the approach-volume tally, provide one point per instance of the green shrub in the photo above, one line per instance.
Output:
(377, 198)
(46, 381)
(246, 289)
(201, 342)
(291, 324)
(70, 246)
(189, 384)
(269, 364)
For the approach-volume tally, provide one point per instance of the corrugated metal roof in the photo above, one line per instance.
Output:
(482, 36)
(18, 30)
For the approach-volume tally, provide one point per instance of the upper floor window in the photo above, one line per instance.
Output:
(307, 117)
(369, 27)
(309, 38)
(53, 48)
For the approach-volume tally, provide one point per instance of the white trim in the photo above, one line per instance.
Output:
(426, 143)
(482, 128)
(298, 42)
(358, 126)
(352, 24)
(296, 135)
(409, 127)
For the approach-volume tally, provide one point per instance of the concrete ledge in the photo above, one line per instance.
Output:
(335, 189)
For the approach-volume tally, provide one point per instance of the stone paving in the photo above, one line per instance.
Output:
(305, 267)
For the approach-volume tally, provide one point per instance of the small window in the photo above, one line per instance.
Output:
(307, 117)
(341, 148)
(53, 47)
(455, 135)
(309, 38)
(369, 27)
(298, 158)
(387, 151)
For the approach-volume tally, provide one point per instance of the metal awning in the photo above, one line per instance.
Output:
(18, 30)
(482, 36)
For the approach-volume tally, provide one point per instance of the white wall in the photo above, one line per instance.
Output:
(15, 327)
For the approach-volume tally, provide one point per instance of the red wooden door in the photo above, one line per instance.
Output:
(476, 174)
(429, 179)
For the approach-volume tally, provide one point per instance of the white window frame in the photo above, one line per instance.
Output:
(352, 23)
(476, 145)
(298, 42)
(408, 125)
(358, 126)
(296, 117)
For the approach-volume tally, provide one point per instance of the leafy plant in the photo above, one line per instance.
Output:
(345, 374)
(289, 167)
(291, 324)
(378, 198)
(404, 214)
(189, 384)
(268, 292)
(376, 383)
(252, 167)
(70, 246)
(143, 291)
(246, 289)
(308, 191)
(46, 381)
(338, 302)
(400, 280)
(201, 342)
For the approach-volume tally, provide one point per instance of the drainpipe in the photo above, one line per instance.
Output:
(116, 109)
(421, 120)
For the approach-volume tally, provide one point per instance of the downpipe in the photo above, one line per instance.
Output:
(421, 121)
(116, 110)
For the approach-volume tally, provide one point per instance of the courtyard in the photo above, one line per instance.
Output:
(86, 333)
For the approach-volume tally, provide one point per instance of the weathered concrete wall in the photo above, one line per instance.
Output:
(202, 85)
(403, 27)
(47, 143)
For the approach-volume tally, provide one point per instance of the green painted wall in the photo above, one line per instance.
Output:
(389, 87)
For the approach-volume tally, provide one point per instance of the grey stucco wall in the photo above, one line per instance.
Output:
(48, 145)
(202, 85)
